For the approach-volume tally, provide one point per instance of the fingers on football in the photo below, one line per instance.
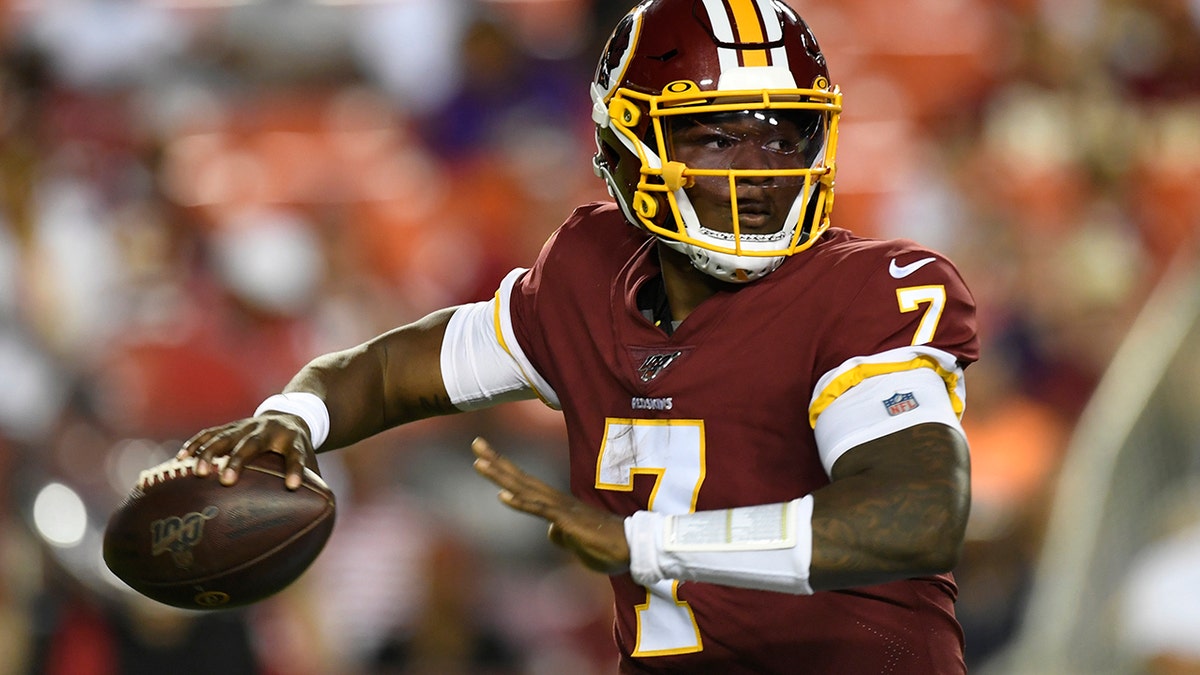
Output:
(246, 449)
(215, 442)
(204, 441)
(192, 445)
(293, 466)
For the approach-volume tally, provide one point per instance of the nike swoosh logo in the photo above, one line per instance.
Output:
(899, 272)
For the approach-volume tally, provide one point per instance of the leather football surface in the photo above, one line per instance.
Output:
(193, 543)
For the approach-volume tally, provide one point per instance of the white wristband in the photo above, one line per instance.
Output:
(306, 406)
(766, 547)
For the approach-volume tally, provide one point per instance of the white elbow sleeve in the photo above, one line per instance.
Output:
(870, 397)
(482, 363)
(767, 547)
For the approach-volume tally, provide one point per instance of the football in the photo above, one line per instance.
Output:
(193, 543)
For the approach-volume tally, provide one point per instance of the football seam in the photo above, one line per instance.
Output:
(174, 468)
(177, 468)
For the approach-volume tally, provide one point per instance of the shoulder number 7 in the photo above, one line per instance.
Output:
(911, 299)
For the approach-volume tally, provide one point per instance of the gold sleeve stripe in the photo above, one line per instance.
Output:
(749, 29)
(856, 375)
(504, 344)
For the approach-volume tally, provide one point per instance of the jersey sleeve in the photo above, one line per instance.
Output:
(908, 327)
(500, 350)
(551, 311)
(513, 316)
(481, 363)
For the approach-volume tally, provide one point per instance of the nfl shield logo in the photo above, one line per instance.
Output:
(900, 403)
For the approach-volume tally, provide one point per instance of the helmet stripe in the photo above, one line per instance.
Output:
(774, 28)
(774, 31)
(745, 21)
(723, 31)
(749, 27)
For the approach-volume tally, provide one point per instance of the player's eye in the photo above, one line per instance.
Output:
(783, 146)
(716, 140)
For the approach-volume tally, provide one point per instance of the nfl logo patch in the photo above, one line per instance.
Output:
(900, 403)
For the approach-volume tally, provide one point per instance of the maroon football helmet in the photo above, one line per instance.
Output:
(669, 61)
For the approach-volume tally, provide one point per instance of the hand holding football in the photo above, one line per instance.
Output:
(193, 543)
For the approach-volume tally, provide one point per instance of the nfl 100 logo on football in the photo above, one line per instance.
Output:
(900, 403)
(179, 534)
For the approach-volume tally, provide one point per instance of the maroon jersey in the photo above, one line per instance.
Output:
(715, 416)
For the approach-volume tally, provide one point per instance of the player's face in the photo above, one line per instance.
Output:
(746, 140)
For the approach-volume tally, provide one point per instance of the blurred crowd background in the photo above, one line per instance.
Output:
(197, 196)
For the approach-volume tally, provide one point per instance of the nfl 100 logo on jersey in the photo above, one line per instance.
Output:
(900, 403)
(655, 364)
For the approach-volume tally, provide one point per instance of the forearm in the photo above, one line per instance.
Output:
(390, 380)
(873, 525)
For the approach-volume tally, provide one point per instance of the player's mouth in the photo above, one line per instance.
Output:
(757, 216)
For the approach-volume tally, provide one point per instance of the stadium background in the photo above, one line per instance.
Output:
(198, 195)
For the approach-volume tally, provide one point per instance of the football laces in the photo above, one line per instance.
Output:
(174, 468)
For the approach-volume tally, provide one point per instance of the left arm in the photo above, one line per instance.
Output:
(897, 508)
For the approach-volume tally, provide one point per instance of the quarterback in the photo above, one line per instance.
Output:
(763, 410)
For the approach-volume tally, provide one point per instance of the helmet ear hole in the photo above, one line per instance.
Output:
(645, 205)
(624, 112)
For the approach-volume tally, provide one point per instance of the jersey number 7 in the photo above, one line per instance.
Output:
(673, 452)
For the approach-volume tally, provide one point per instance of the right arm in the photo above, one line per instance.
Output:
(389, 380)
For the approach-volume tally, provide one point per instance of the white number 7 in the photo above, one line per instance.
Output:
(673, 452)
(910, 300)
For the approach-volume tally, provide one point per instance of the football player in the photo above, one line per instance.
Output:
(763, 411)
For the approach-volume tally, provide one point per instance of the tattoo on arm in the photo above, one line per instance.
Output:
(897, 507)
(429, 406)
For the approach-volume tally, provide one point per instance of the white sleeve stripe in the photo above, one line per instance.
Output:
(482, 363)
(882, 405)
(507, 338)
(475, 370)
(858, 369)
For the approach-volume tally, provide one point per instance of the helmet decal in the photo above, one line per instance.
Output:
(617, 52)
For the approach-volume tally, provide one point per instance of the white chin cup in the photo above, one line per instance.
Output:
(727, 266)
(736, 269)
